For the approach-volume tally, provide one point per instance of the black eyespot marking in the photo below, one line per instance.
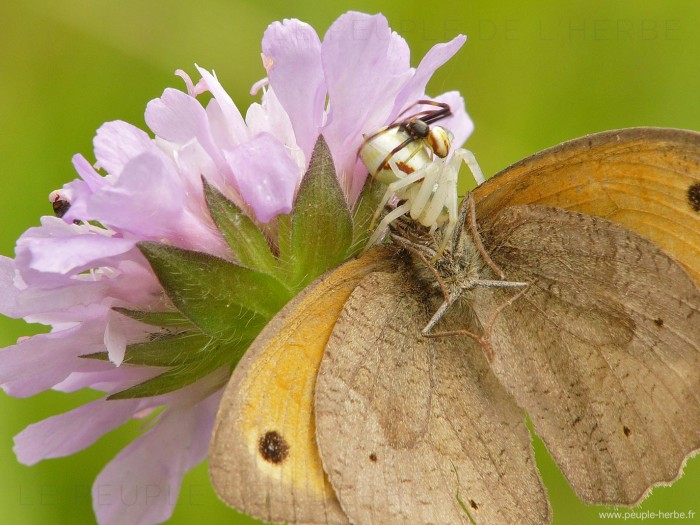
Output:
(659, 322)
(273, 447)
(626, 430)
(694, 196)
(473, 504)
(373, 457)
(60, 207)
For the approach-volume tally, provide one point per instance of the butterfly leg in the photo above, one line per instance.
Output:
(485, 339)
(421, 251)
(469, 209)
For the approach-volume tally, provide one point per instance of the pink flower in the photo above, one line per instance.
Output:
(72, 272)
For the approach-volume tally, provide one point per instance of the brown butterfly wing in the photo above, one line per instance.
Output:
(602, 351)
(647, 179)
(418, 430)
(263, 458)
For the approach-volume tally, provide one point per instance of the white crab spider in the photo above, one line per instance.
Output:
(421, 174)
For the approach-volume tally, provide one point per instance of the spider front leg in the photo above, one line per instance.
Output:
(470, 160)
(402, 181)
(386, 221)
(393, 188)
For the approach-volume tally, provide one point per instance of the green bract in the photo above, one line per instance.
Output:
(221, 305)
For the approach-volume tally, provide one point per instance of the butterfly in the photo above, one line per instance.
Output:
(342, 412)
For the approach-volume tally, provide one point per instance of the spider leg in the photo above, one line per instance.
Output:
(477, 237)
(449, 301)
(431, 115)
(421, 195)
(470, 160)
(368, 138)
(386, 221)
(394, 187)
(485, 339)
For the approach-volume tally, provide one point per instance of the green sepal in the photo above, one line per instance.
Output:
(164, 319)
(240, 232)
(182, 375)
(223, 299)
(284, 244)
(321, 224)
(164, 350)
(366, 205)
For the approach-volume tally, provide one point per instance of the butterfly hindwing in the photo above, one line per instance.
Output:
(418, 430)
(602, 351)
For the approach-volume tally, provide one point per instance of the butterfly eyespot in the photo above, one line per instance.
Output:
(659, 322)
(626, 430)
(473, 504)
(694, 196)
(373, 457)
(273, 447)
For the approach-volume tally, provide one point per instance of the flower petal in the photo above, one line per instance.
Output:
(179, 118)
(145, 201)
(117, 142)
(267, 176)
(68, 433)
(234, 120)
(365, 64)
(460, 124)
(270, 117)
(293, 52)
(141, 484)
(57, 247)
(115, 338)
(39, 362)
(414, 89)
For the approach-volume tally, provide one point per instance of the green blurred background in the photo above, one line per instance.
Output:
(533, 74)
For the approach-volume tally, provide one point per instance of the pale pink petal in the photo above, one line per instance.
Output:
(10, 292)
(115, 337)
(270, 117)
(104, 376)
(33, 302)
(39, 362)
(365, 65)
(460, 124)
(266, 174)
(218, 124)
(129, 204)
(234, 120)
(80, 191)
(179, 118)
(57, 247)
(293, 52)
(118, 142)
(414, 89)
(94, 180)
(73, 431)
(141, 484)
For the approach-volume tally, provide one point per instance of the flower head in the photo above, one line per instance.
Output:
(169, 254)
